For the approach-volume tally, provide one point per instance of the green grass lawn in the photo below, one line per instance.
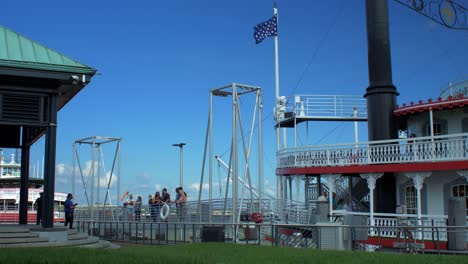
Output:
(211, 253)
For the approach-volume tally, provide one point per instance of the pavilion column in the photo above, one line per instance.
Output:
(371, 178)
(331, 179)
(463, 173)
(49, 166)
(24, 185)
(418, 180)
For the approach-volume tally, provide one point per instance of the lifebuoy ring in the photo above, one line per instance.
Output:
(164, 213)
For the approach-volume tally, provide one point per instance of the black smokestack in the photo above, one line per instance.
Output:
(381, 95)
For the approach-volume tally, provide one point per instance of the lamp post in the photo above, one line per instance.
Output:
(181, 146)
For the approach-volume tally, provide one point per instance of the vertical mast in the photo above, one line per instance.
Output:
(278, 180)
(275, 12)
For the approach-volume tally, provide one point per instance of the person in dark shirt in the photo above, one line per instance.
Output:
(69, 210)
(38, 206)
(166, 198)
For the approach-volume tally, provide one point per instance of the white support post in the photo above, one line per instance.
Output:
(356, 133)
(331, 179)
(371, 178)
(279, 194)
(298, 187)
(260, 151)
(285, 188)
(418, 180)
(431, 123)
(210, 161)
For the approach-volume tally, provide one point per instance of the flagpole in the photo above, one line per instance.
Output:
(278, 180)
(275, 12)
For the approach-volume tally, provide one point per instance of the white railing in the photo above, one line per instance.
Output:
(220, 211)
(420, 233)
(460, 87)
(328, 106)
(421, 149)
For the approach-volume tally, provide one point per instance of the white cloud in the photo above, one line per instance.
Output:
(63, 173)
(158, 187)
(64, 176)
(196, 186)
(270, 192)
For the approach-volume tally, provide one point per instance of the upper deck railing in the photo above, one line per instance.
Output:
(421, 149)
(455, 89)
(329, 106)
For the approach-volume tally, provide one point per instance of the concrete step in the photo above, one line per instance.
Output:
(99, 244)
(23, 240)
(12, 229)
(17, 235)
(72, 231)
(77, 236)
(70, 243)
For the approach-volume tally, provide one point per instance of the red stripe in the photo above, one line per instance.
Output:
(398, 167)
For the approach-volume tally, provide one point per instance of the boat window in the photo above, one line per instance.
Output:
(465, 125)
(410, 198)
(461, 190)
(437, 129)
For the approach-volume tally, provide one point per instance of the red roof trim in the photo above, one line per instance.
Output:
(398, 167)
(450, 102)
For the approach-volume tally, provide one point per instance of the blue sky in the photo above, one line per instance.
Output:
(157, 61)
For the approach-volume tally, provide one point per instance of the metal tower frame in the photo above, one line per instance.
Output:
(97, 158)
(235, 91)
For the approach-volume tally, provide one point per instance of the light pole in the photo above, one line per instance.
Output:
(181, 146)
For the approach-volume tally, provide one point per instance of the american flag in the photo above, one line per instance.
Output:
(265, 29)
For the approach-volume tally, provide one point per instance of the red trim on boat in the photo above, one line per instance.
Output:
(450, 103)
(396, 167)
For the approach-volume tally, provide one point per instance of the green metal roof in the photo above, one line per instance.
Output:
(18, 51)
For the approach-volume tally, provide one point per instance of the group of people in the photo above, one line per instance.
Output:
(155, 204)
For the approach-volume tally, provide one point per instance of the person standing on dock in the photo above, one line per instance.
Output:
(151, 206)
(38, 206)
(181, 199)
(166, 197)
(138, 204)
(69, 210)
(156, 206)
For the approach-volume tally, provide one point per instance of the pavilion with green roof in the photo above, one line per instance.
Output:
(35, 83)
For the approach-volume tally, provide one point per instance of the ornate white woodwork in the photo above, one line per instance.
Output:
(418, 178)
(371, 178)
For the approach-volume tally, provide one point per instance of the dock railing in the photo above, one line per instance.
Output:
(319, 236)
